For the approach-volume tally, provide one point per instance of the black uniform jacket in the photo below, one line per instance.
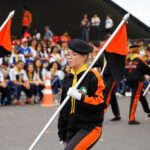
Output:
(136, 69)
(89, 111)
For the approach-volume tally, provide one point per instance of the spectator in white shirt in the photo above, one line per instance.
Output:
(37, 35)
(20, 82)
(41, 76)
(34, 81)
(64, 50)
(56, 76)
(108, 24)
(15, 57)
(55, 56)
(40, 53)
(33, 50)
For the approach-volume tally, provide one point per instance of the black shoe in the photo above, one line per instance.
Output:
(134, 122)
(116, 119)
(148, 115)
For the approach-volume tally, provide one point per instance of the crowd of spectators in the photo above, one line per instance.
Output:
(91, 27)
(35, 57)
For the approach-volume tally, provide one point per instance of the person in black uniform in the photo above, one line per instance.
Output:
(136, 68)
(110, 84)
(109, 93)
(80, 121)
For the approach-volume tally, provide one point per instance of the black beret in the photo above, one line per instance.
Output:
(134, 46)
(80, 46)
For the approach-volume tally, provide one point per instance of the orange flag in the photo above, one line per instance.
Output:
(116, 53)
(118, 45)
(5, 36)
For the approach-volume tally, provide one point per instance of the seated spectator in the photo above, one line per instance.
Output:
(64, 50)
(148, 55)
(48, 34)
(5, 71)
(34, 81)
(4, 59)
(56, 39)
(20, 82)
(56, 76)
(27, 35)
(55, 56)
(33, 50)
(5, 91)
(37, 35)
(67, 69)
(41, 76)
(15, 57)
(41, 54)
(65, 37)
(142, 49)
(25, 50)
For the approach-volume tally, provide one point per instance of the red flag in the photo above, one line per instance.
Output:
(116, 53)
(118, 44)
(5, 38)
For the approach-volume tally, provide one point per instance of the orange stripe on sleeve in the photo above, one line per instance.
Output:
(98, 99)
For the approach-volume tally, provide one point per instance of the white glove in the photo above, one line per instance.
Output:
(73, 92)
(63, 143)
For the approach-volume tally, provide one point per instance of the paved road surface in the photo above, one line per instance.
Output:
(20, 125)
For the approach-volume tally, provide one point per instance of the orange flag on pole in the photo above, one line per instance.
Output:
(5, 36)
(118, 44)
(116, 52)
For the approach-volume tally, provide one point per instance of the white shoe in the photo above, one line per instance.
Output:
(118, 94)
(128, 94)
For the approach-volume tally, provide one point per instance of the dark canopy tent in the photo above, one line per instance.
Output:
(65, 15)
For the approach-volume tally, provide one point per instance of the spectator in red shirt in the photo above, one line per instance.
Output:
(26, 20)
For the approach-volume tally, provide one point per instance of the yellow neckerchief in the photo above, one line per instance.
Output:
(30, 74)
(132, 57)
(20, 77)
(41, 54)
(17, 58)
(82, 68)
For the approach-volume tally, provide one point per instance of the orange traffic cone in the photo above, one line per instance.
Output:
(48, 99)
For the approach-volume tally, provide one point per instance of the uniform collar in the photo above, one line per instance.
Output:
(17, 70)
(82, 68)
(132, 57)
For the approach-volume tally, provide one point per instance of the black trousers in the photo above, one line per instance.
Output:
(5, 93)
(19, 88)
(84, 139)
(137, 94)
(95, 33)
(34, 89)
(109, 95)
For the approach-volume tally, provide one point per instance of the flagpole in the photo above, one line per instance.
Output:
(125, 18)
(11, 14)
(103, 69)
(146, 89)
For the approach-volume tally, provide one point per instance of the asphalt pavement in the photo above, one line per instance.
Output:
(19, 126)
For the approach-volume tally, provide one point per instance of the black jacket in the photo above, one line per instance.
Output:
(136, 69)
(88, 111)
